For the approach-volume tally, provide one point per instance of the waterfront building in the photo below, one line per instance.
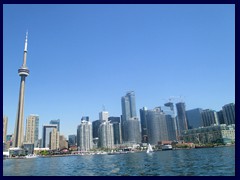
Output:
(5, 123)
(23, 72)
(32, 129)
(103, 116)
(57, 122)
(194, 118)
(84, 136)
(156, 126)
(171, 124)
(211, 134)
(181, 117)
(220, 117)
(54, 139)
(117, 132)
(129, 117)
(209, 117)
(106, 136)
(28, 147)
(143, 119)
(229, 113)
(72, 140)
(47, 128)
(132, 131)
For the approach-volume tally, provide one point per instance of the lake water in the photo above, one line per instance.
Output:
(218, 161)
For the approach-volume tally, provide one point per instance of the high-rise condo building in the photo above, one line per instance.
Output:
(47, 129)
(209, 117)
(5, 123)
(194, 118)
(156, 126)
(32, 129)
(106, 136)
(54, 139)
(229, 113)
(19, 129)
(181, 117)
(57, 122)
(84, 136)
(220, 117)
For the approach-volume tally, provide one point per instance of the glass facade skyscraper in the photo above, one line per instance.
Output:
(194, 118)
(57, 122)
(129, 118)
(181, 117)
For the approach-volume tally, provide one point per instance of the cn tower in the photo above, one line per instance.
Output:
(23, 73)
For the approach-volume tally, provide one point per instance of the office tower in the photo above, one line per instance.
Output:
(103, 116)
(5, 123)
(194, 118)
(57, 122)
(84, 136)
(209, 117)
(47, 128)
(86, 118)
(129, 114)
(63, 143)
(229, 113)
(106, 136)
(156, 126)
(143, 119)
(72, 140)
(220, 117)
(95, 128)
(32, 129)
(181, 117)
(54, 139)
(19, 129)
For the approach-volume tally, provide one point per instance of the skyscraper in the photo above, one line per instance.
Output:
(32, 129)
(129, 114)
(57, 122)
(5, 122)
(84, 136)
(229, 113)
(54, 139)
(106, 136)
(103, 116)
(181, 117)
(46, 134)
(194, 118)
(19, 129)
(156, 126)
(209, 117)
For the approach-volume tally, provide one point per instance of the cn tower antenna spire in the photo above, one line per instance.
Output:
(25, 47)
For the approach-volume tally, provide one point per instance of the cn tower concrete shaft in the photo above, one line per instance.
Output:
(19, 129)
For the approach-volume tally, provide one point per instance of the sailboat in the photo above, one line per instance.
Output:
(149, 150)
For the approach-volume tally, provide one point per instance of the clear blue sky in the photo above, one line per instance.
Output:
(82, 57)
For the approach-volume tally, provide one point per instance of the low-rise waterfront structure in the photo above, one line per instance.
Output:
(212, 134)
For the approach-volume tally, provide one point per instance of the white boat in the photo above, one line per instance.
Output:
(31, 156)
(149, 150)
(166, 147)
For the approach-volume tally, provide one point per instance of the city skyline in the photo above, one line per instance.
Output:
(96, 53)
